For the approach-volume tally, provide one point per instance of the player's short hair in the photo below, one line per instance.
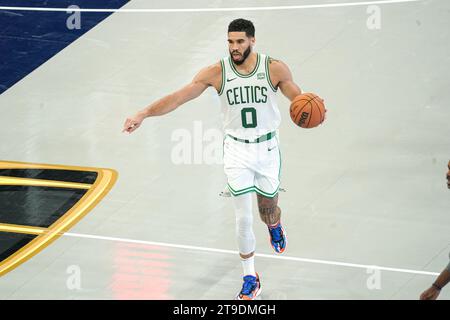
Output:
(242, 25)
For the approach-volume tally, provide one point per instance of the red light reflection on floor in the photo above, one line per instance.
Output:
(141, 272)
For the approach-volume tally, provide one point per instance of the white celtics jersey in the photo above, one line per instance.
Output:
(249, 106)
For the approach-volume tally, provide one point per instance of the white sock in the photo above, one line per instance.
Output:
(249, 266)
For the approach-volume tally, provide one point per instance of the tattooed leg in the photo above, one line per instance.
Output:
(269, 211)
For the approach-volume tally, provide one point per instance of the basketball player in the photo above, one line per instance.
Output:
(443, 279)
(246, 82)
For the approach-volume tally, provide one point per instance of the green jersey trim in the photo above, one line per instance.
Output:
(239, 192)
(223, 77)
(268, 195)
(253, 189)
(268, 74)
(244, 75)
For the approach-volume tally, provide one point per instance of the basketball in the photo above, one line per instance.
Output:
(307, 110)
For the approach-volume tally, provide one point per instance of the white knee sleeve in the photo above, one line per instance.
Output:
(244, 223)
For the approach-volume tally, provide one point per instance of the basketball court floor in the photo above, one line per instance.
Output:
(366, 206)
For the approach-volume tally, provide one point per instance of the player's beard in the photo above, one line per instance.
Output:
(244, 57)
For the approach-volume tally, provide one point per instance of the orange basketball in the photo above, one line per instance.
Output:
(307, 110)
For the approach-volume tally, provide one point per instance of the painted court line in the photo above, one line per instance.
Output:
(268, 256)
(124, 10)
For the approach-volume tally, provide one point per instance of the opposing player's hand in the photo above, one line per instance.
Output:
(448, 176)
(430, 294)
(133, 123)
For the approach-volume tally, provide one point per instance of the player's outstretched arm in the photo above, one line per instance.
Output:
(201, 81)
(282, 77)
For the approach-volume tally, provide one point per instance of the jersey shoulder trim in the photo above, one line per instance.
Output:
(268, 75)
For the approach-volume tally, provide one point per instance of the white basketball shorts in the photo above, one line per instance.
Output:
(252, 166)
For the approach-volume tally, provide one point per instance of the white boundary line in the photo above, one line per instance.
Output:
(310, 6)
(205, 249)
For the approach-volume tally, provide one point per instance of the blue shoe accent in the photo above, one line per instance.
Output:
(278, 238)
(251, 288)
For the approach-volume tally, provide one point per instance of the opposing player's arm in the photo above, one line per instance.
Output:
(448, 183)
(205, 78)
(282, 77)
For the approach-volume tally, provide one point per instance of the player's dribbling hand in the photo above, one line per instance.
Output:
(133, 123)
(325, 115)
